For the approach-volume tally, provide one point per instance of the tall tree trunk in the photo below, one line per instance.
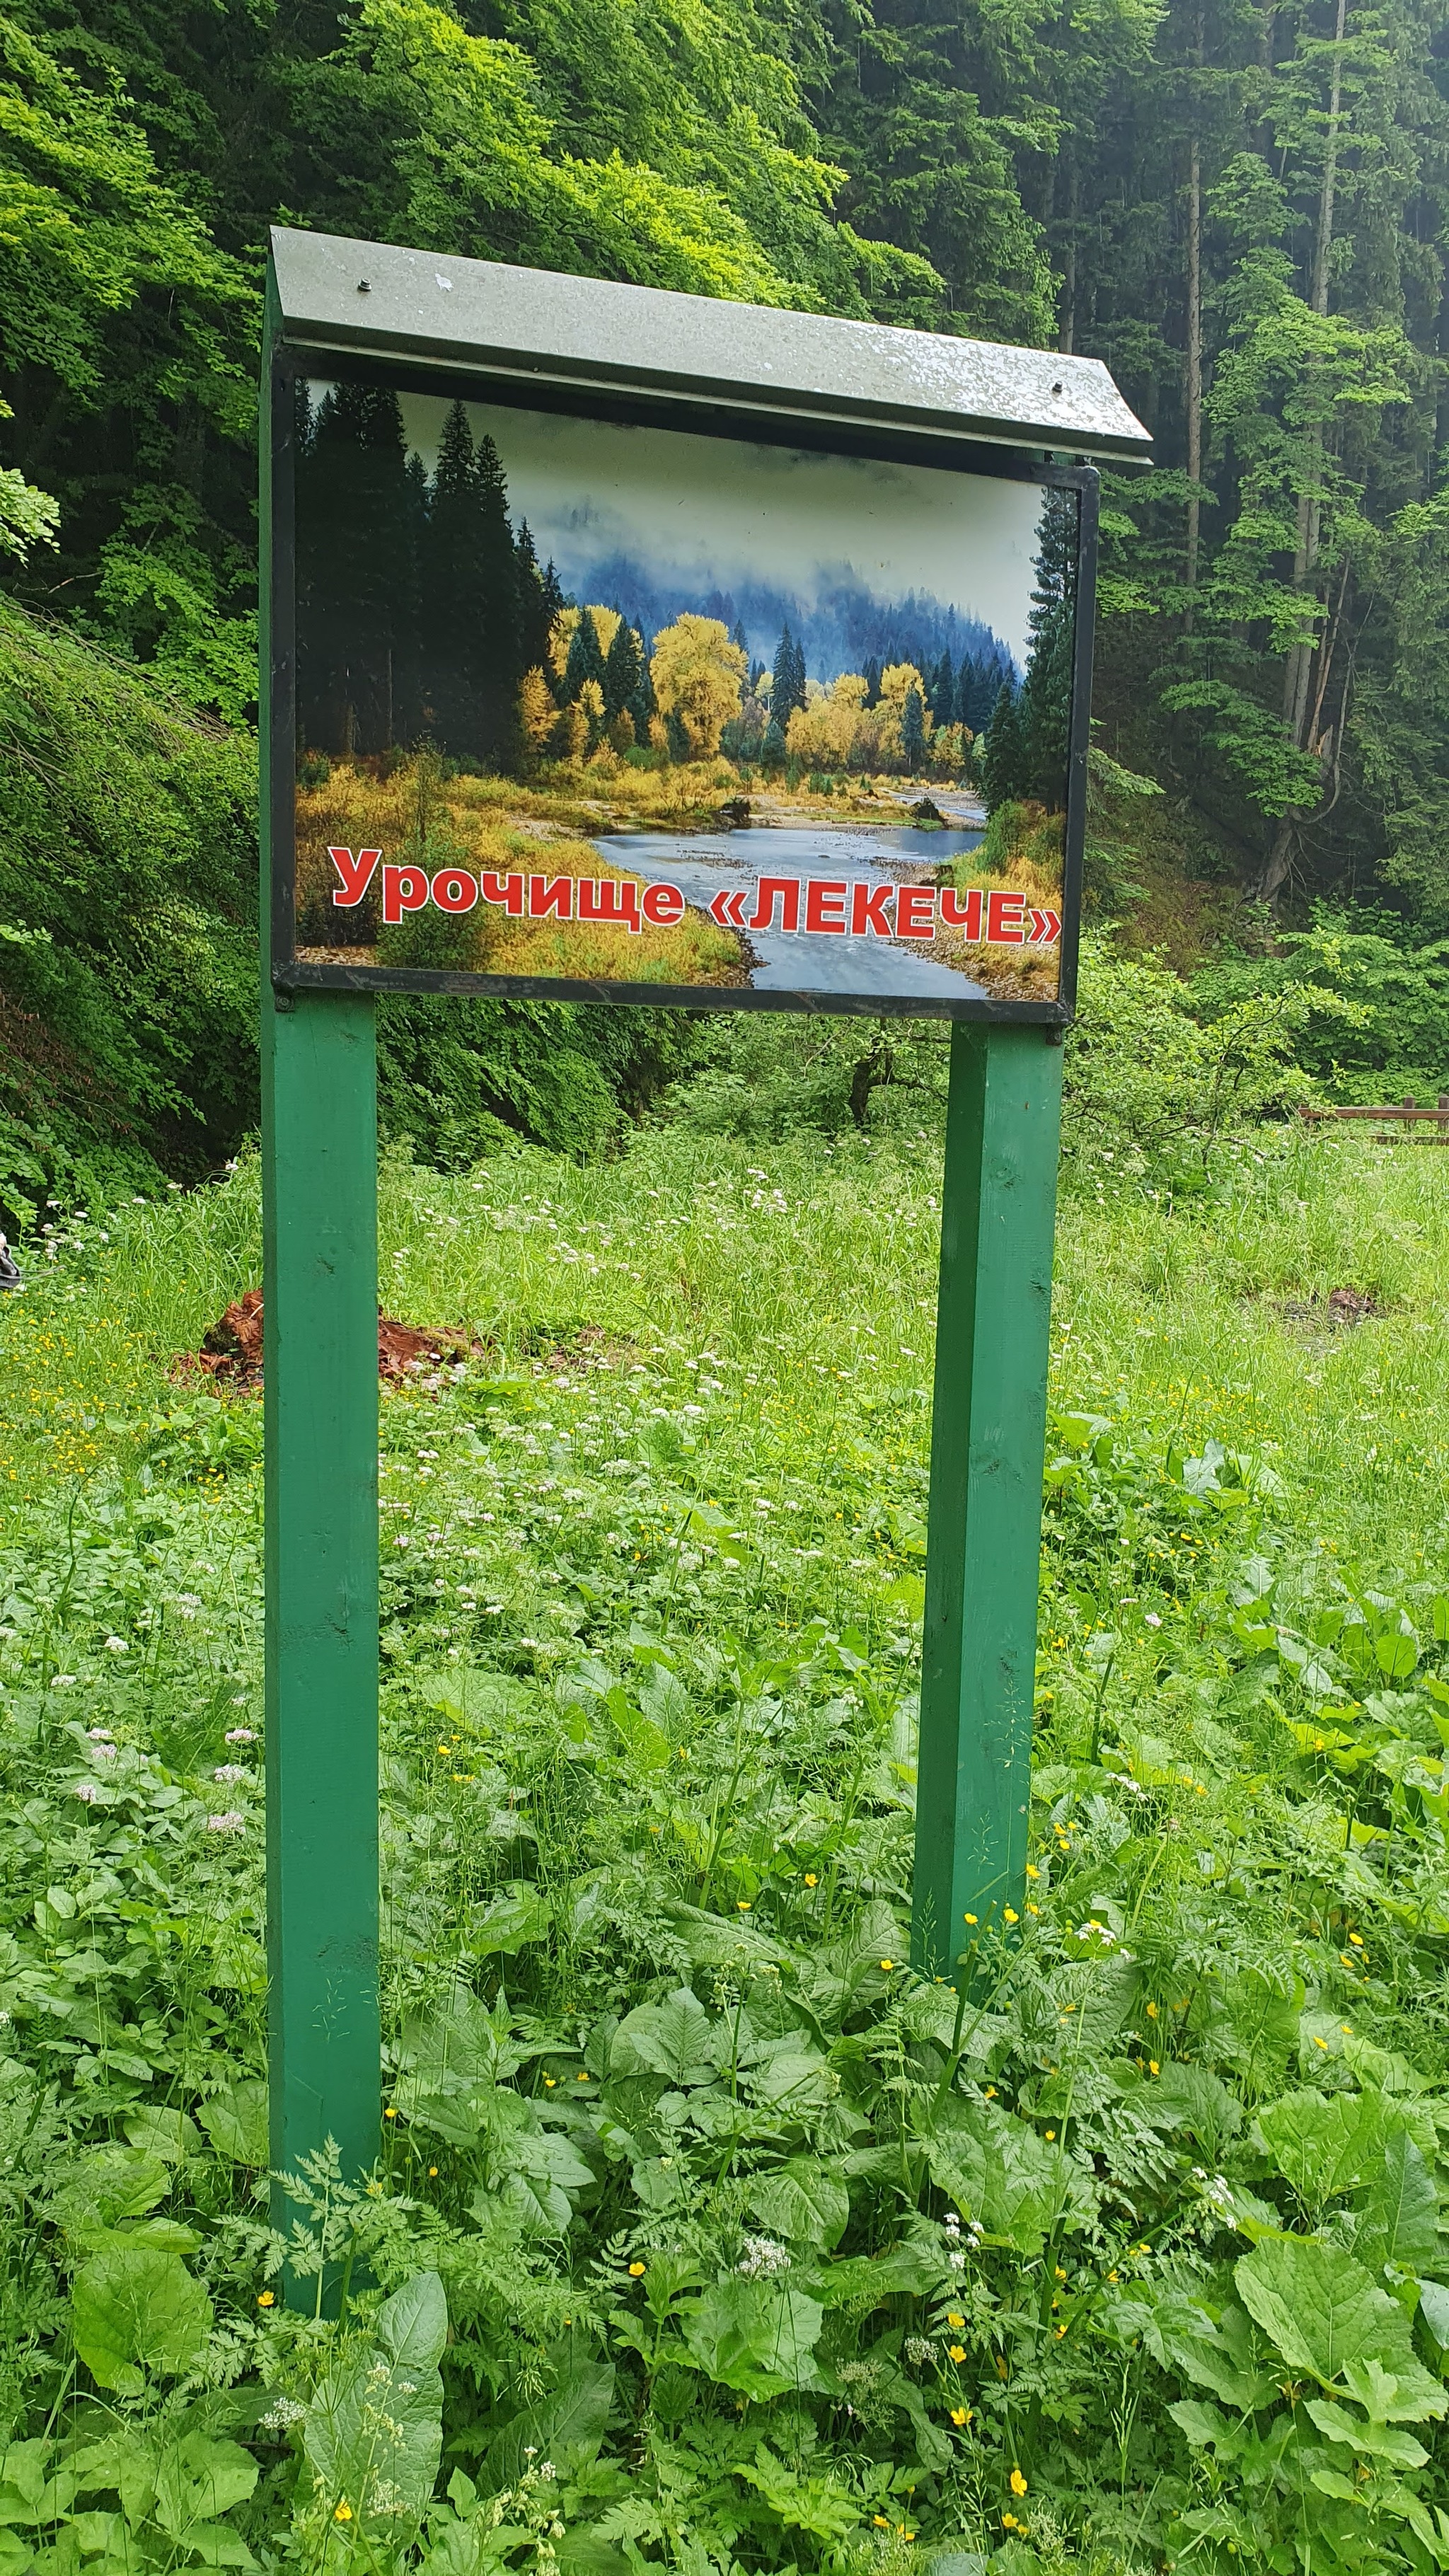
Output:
(1069, 261)
(1296, 678)
(1193, 388)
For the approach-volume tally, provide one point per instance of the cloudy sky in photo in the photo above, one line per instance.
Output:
(712, 513)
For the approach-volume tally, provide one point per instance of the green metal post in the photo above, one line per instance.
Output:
(319, 1147)
(319, 1281)
(998, 1215)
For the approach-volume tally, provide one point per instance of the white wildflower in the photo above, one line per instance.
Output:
(231, 1823)
(282, 2414)
(761, 2257)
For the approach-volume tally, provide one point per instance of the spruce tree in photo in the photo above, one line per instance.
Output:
(772, 747)
(538, 601)
(356, 603)
(644, 705)
(1001, 752)
(585, 661)
(977, 688)
(455, 571)
(913, 731)
(1045, 704)
(787, 690)
(623, 670)
(941, 691)
(871, 676)
(497, 609)
(408, 720)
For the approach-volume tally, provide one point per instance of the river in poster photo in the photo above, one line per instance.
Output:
(631, 705)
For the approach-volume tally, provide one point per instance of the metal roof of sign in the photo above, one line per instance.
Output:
(435, 310)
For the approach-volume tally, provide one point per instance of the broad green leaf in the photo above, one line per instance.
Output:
(1192, 2098)
(1434, 2309)
(136, 2309)
(647, 1743)
(1323, 2312)
(197, 2479)
(804, 2200)
(1205, 2424)
(1324, 2144)
(792, 2080)
(374, 2430)
(236, 2121)
(1090, 2001)
(817, 2505)
(521, 1914)
(1398, 2219)
(1017, 2186)
(566, 2427)
(1252, 2025)
(168, 2134)
(412, 2326)
(1224, 2354)
(907, 2269)
(33, 2489)
(546, 2169)
(675, 2038)
(755, 2336)
(1387, 2397)
(107, 2184)
(1373, 2439)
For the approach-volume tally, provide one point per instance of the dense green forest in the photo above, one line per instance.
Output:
(1242, 208)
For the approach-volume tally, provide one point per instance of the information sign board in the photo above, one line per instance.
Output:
(601, 692)
(620, 645)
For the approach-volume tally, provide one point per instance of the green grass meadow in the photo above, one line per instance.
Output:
(703, 2235)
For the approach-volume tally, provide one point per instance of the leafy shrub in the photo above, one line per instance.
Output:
(1150, 1089)
(127, 925)
(1374, 1001)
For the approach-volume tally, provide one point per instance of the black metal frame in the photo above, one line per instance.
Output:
(286, 362)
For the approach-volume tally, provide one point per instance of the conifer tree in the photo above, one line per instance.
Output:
(941, 688)
(454, 588)
(585, 659)
(1001, 752)
(871, 676)
(1045, 705)
(913, 730)
(623, 669)
(357, 522)
(788, 687)
(538, 601)
(497, 609)
(643, 705)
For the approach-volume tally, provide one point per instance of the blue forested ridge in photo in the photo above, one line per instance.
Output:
(705, 2236)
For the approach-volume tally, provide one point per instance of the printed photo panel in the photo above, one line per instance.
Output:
(629, 708)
